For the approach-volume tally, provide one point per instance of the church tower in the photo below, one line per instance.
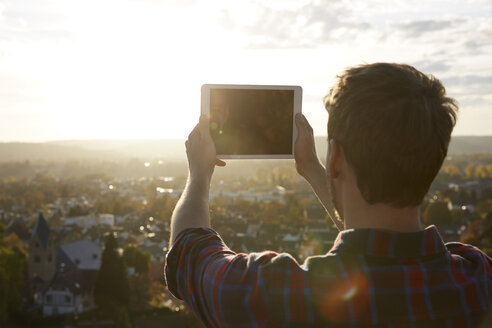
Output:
(42, 261)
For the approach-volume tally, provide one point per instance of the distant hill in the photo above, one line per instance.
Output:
(153, 148)
(459, 145)
(19, 151)
(170, 149)
(470, 144)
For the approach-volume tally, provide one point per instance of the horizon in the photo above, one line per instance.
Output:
(135, 71)
(173, 139)
(166, 149)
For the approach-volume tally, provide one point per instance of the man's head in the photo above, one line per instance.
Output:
(393, 124)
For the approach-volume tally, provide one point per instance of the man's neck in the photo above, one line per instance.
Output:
(384, 217)
(358, 214)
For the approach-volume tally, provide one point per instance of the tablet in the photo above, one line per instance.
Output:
(252, 121)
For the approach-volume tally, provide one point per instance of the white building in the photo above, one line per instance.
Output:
(70, 292)
(107, 219)
(87, 221)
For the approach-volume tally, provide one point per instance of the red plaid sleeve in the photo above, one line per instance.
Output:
(225, 289)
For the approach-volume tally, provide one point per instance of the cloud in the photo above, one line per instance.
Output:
(471, 84)
(473, 101)
(479, 42)
(27, 21)
(447, 47)
(306, 26)
(432, 66)
(415, 29)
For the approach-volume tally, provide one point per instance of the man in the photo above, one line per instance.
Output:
(389, 128)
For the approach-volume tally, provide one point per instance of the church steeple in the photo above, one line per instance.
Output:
(42, 261)
(41, 230)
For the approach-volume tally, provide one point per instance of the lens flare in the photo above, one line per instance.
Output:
(342, 298)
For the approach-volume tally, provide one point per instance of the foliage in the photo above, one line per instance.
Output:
(452, 170)
(284, 175)
(136, 257)
(122, 317)
(160, 207)
(139, 259)
(111, 289)
(12, 278)
(13, 243)
(77, 210)
(140, 293)
(437, 213)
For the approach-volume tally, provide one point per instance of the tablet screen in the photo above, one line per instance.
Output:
(252, 121)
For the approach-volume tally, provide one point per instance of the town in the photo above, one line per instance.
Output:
(63, 237)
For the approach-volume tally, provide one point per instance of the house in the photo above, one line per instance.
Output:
(71, 291)
(290, 243)
(81, 254)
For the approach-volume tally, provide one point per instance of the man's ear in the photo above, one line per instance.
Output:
(335, 156)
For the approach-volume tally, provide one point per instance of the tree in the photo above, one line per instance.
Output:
(13, 243)
(452, 171)
(77, 210)
(437, 213)
(481, 171)
(122, 318)
(470, 171)
(284, 175)
(12, 277)
(112, 288)
(138, 258)
(262, 174)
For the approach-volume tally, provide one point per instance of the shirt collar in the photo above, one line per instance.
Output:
(390, 244)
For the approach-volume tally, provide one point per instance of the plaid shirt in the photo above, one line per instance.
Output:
(369, 278)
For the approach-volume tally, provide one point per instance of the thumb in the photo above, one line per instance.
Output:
(220, 162)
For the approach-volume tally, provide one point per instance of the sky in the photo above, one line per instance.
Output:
(132, 69)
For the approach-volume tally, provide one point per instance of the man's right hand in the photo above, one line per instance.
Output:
(307, 162)
(309, 167)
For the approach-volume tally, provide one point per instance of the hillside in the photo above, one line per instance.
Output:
(169, 150)
(18, 151)
(459, 145)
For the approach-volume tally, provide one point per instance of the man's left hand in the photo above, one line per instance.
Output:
(200, 149)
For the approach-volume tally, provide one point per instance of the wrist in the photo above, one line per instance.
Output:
(314, 171)
(200, 180)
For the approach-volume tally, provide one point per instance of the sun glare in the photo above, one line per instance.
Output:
(133, 69)
(127, 70)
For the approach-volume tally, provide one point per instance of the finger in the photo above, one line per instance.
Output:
(194, 133)
(220, 162)
(301, 125)
(298, 119)
(306, 123)
(204, 125)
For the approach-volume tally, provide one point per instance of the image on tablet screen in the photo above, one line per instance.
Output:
(251, 121)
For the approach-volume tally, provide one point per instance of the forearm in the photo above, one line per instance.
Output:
(317, 179)
(192, 209)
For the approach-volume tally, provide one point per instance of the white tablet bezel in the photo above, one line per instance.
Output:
(205, 110)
